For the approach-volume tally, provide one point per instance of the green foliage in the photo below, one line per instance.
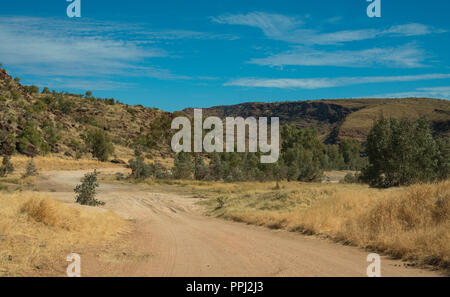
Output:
(7, 143)
(65, 106)
(200, 169)
(86, 191)
(38, 107)
(351, 153)
(99, 144)
(45, 91)
(183, 166)
(140, 170)
(30, 169)
(7, 167)
(17, 80)
(351, 178)
(51, 134)
(403, 152)
(31, 89)
(15, 96)
(120, 176)
(158, 136)
(88, 94)
(31, 142)
(303, 151)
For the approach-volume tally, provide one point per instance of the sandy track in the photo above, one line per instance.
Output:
(173, 238)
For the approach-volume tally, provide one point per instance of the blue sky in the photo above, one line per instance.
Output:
(177, 54)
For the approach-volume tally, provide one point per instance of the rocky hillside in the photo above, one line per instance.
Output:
(35, 121)
(341, 118)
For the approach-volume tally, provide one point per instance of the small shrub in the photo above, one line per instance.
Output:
(7, 167)
(139, 170)
(350, 178)
(220, 203)
(120, 176)
(86, 191)
(30, 170)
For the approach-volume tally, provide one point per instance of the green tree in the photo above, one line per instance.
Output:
(183, 166)
(200, 169)
(401, 152)
(30, 141)
(99, 144)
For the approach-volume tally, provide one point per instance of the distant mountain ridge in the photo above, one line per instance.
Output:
(341, 118)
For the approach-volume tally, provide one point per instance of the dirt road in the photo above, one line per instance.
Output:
(173, 238)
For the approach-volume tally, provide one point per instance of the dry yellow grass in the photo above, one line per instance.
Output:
(37, 233)
(47, 163)
(410, 223)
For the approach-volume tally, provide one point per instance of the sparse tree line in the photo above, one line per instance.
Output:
(397, 152)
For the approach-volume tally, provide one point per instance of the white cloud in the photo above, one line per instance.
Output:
(291, 29)
(317, 83)
(85, 48)
(271, 24)
(433, 92)
(51, 47)
(413, 29)
(407, 56)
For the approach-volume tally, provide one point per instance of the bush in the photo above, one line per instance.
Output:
(31, 89)
(350, 178)
(403, 152)
(86, 191)
(183, 166)
(51, 134)
(99, 144)
(30, 169)
(7, 143)
(65, 106)
(139, 170)
(120, 176)
(31, 142)
(7, 167)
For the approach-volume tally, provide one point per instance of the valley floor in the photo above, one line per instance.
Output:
(171, 236)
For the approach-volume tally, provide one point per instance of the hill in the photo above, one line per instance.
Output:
(34, 121)
(341, 118)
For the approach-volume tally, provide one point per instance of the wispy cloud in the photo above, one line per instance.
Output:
(55, 48)
(271, 24)
(318, 83)
(433, 92)
(407, 56)
(292, 29)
